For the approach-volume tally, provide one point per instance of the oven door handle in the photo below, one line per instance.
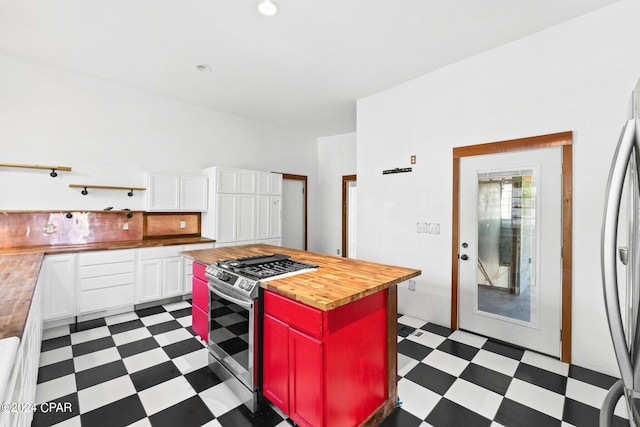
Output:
(240, 302)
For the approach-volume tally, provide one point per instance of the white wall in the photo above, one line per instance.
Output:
(111, 134)
(577, 76)
(336, 158)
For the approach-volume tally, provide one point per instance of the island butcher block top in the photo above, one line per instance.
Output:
(337, 282)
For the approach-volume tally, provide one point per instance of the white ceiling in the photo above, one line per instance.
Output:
(302, 70)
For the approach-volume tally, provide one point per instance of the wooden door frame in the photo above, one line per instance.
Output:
(302, 178)
(346, 179)
(564, 140)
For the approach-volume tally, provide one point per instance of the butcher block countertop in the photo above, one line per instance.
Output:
(19, 269)
(18, 276)
(102, 246)
(337, 282)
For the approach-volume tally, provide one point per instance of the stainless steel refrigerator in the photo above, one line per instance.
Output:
(620, 257)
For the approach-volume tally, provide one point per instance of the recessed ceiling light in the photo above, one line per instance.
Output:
(268, 8)
(204, 68)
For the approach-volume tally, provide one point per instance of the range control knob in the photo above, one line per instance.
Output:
(221, 275)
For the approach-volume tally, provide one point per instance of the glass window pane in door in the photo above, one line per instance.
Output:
(506, 244)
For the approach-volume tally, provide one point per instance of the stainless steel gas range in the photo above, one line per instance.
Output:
(235, 316)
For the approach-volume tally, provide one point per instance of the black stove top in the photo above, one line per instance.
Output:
(264, 266)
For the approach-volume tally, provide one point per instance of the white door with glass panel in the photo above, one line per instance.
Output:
(510, 234)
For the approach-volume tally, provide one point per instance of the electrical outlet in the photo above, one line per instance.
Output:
(428, 227)
(433, 228)
(412, 285)
(413, 159)
(183, 224)
(125, 226)
(337, 251)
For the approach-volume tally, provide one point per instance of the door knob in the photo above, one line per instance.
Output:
(464, 257)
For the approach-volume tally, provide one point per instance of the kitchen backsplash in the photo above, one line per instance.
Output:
(42, 228)
(157, 224)
(18, 229)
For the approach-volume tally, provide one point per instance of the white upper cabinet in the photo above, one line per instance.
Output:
(245, 206)
(269, 183)
(246, 182)
(193, 193)
(163, 192)
(226, 180)
(177, 193)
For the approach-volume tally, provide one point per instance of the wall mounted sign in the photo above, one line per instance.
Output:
(396, 170)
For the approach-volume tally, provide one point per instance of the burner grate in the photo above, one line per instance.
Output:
(265, 266)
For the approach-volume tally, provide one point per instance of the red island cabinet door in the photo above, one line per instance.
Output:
(275, 363)
(306, 396)
(293, 362)
(200, 302)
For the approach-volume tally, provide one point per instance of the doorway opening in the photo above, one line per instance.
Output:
(500, 271)
(349, 201)
(294, 211)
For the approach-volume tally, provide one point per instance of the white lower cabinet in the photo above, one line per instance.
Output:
(160, 273)
(58, 282)
(21, 385)
(106, 280)
(89, 282)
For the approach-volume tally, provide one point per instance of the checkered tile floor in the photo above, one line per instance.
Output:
(146, 368)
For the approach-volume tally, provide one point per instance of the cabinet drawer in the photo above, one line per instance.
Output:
(103, 282)
(106, 269)
(198, 271)
(200, 293)
(105, 257)
(155, 253)
(103, 299)
(300, 316)
(200, 322)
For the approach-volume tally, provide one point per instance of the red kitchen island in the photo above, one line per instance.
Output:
(329, 336)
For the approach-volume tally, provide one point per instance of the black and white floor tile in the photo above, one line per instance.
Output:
(146, 368)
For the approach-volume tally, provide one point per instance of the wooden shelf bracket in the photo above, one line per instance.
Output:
(105, 187)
